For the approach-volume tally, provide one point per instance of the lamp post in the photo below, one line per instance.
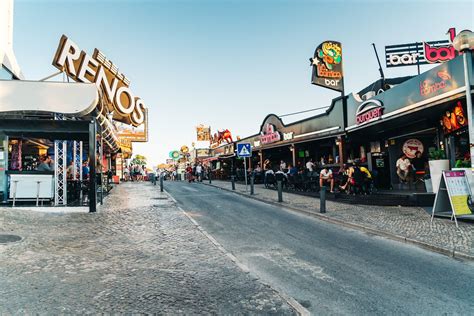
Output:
(464, 42)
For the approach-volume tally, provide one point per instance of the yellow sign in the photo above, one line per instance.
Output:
(460, 206)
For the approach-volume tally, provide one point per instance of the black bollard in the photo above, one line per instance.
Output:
(280, 190)
(161, 183)
(322, 200)
(210, 176)
(252, 180)
(232, 178)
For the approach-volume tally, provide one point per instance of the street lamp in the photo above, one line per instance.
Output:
(464, 42)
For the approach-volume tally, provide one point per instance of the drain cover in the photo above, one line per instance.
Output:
(160, 198)
(5, 239)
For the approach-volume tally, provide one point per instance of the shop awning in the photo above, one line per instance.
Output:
(48, 97)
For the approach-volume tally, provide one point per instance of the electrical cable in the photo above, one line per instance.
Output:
(300, 112)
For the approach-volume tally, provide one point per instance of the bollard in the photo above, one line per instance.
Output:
(280, 190)
(210, 176)
(322, 200)
(232, 178)
(252, 180)
(153, 179)
(161, 183)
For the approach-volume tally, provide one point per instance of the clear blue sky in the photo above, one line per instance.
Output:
(227, 63)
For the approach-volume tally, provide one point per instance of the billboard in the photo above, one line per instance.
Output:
(203, 133)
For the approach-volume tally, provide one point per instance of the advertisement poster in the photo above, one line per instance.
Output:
(454, 119)
(327, 66)
(132, 133)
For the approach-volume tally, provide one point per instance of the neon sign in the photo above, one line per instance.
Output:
(421, 53)
(429, 86)
(368, 111)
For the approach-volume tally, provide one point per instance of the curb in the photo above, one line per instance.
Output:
(289, 300)
(447, 252)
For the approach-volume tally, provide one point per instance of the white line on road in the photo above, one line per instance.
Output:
(290, 300)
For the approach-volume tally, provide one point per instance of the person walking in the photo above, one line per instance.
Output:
(199, 172)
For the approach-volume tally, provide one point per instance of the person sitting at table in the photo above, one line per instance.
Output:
(292, 170)
(45, 164)
(348, 179)
(325, 176)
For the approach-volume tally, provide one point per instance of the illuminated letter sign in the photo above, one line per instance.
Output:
(429, 86)
(421, 53)
(368, 111)
(82, 67)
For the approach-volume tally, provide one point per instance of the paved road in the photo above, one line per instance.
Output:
(327, 268)
(138, 255)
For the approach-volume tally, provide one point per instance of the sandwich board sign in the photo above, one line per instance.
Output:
(244, 150)
(454, 196)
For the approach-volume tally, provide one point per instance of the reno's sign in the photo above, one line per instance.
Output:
(81, 67)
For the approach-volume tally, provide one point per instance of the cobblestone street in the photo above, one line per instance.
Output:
(138, 254)
(407, 222)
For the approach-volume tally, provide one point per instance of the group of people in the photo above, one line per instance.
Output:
(194, 172)
(46, 164)
(134, 173)
(350, 178)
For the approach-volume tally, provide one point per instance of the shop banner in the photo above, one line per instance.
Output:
(327, 66)
(416, 92)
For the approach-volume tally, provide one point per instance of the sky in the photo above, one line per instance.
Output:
(228, 63)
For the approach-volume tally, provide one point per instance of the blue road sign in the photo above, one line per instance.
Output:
(244, 150)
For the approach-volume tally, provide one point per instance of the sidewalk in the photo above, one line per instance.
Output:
(138, 255)
(409, 224)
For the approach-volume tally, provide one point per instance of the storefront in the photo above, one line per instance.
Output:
(60, 141)
(425, 114)
(222, 161)
(317, 138)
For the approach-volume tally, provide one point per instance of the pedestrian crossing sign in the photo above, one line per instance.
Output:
(244, 150)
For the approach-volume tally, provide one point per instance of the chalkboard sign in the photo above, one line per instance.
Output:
(454, 196)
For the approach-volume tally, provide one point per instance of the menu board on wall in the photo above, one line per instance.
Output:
(454, 196)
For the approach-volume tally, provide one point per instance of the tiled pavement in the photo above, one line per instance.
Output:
(139, 254)
(410, 223)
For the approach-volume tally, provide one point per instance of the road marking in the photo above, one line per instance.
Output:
(290, 300)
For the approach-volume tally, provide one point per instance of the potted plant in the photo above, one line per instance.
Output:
(437, 163)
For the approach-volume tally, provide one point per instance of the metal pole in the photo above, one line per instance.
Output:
(161, 182)
(322, 200)
(232, 179)
(252, 181)
(245, 173)
(209, 173)
(467, 54)
(280, 190)
(92, 171)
